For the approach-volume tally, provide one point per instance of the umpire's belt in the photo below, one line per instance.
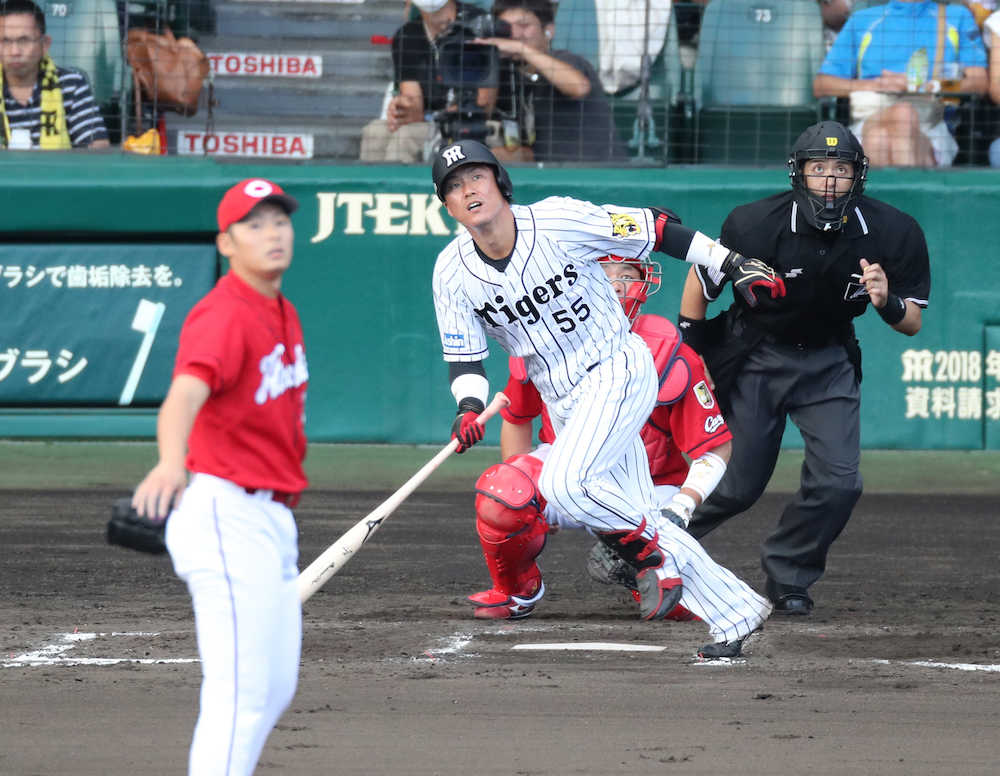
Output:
(805, 341)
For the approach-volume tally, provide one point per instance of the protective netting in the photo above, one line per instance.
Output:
(578, 82)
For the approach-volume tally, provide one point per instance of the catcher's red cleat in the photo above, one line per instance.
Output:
(659, 591)
(493, 604)
(681, 613)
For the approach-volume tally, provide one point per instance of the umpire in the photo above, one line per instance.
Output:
(797, 357)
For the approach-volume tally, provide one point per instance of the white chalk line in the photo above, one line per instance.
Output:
(456, 645)
(991, 668)
(54, 654)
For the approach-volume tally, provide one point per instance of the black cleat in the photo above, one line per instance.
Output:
(729, 649)
(788, 599)
(797, 604)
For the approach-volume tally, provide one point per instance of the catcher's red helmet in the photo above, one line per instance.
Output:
(636, 292)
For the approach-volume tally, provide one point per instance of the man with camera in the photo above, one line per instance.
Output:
(551, 102)
(408, 127)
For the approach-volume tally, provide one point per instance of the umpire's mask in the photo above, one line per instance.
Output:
(826, 140)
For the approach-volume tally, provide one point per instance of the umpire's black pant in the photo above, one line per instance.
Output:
(818, 390)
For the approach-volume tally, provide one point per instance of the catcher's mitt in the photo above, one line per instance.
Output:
(605, 566)
(127, 529)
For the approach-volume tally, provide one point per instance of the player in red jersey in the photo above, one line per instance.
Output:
(513, 520)
(234, 418)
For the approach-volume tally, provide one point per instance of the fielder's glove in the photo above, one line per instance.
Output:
(465, 428)
(127, 529)
(605, 566)
(752, 275)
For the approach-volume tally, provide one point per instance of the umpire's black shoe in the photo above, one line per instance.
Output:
(794, 604)
(788, 599)
(729, 649)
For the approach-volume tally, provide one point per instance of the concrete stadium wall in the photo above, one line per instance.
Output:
(366, 240)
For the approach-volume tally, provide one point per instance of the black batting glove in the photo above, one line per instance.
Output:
(465, 428)
(752, 276)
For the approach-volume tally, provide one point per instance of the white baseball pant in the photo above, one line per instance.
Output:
(238, 552)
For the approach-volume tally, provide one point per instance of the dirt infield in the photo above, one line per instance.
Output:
(895, 673)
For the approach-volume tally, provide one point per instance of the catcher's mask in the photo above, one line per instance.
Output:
(635, 292)
(826, 140)
(454, 155)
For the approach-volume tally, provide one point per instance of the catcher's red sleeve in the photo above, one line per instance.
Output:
(526, 405)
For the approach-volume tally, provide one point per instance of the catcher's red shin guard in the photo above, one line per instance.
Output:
(512, 532)
(658, 582)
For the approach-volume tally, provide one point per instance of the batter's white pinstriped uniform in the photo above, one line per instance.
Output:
(553, 306)
(723, 601)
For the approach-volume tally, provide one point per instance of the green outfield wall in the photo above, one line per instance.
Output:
(101, 256)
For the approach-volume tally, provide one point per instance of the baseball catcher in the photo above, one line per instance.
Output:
(514, 521)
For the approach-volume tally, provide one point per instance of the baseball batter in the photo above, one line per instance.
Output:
(529, 277)
(233, 417)
(686, 419)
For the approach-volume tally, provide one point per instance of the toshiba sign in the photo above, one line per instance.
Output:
(252, 144)
(266, 65)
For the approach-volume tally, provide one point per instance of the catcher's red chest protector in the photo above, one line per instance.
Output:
(664, 342)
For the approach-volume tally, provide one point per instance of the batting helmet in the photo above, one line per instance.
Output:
(826, 140)
(450, 157)
(637, 291)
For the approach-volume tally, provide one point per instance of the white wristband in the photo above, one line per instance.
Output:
(706, 252)
(704, 474)
(476, 386)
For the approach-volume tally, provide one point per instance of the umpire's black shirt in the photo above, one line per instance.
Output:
(822, 297)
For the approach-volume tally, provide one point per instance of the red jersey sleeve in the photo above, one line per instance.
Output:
(210, 348)
(525, 402)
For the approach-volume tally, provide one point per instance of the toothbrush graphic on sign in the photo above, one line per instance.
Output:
(147, 320)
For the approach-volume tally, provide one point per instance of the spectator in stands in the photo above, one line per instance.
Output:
(551, 102)
(884, 51)
(980, 9)
(409, 128)
(834, 13)
(991, 37)
(43, 106)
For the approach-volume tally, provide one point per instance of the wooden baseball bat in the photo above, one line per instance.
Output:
(336, 555)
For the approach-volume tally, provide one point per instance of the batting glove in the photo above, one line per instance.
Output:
(750, 276)
(465, 428)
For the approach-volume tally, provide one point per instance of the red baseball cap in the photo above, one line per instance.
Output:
(246, 195)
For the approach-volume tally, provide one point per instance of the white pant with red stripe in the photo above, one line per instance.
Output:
(727, 604)
(238, 552)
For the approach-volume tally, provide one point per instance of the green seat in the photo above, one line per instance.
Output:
(753, 79)
(576, 29)
(85, 35)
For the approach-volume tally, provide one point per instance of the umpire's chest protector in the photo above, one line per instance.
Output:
(817, 267)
